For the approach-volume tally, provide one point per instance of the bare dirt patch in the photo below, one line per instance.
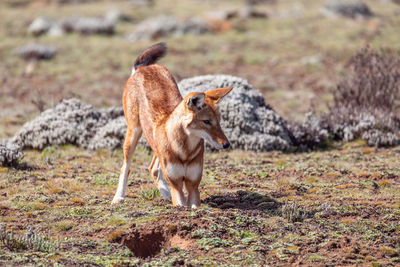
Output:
(148, 240)
(145, 242)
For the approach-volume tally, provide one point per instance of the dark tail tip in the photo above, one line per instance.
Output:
(151, 55)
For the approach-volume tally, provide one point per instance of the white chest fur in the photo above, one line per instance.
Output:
(177, 170)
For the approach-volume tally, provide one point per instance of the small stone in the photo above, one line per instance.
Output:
(349, 9)
(167, 26)
(115, 15)
(144, 3)
(40, 26)
(249, 11)
(56, 30)
(221, 15)
(88, 26)
(37, 52)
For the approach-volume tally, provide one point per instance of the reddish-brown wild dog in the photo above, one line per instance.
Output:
(174, 127)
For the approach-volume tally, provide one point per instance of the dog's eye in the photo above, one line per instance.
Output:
(207, 122)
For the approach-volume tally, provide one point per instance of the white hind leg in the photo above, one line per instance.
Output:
(162, 185)
(156, 173)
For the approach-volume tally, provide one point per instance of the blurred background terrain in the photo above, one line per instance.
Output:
(294, 52)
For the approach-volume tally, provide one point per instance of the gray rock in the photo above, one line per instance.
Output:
(311, 134)
(68, 24)
(37, 52)
(249, 11)
(349, 9)
(115, 15)
(40, 26)
(88, 26)
(256, 2)
(376, 128)
(10, 154)
(145, 3)
(56, 30)
(83, 25)
(167, 26)
(73, 1)
(70, 122)
(221, 14)
(111, 135)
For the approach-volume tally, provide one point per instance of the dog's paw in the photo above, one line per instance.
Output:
(166, 194)
(117, 200)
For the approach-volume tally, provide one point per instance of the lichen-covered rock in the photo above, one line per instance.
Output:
(82, 25)
(87, 26)
(73, 1)
(111, 135)
(248, 122)
(37, 51)
(114, 15)
(56, 29)
(349, 9)
(221, 14)
(70, 122)
(246, 12)
(249, 11)
(377, 128)
(10, 154)
(167, 26)
(311, 134)
(145, 3)
(40, 26)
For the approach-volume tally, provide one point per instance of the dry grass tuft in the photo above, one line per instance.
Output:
(293, 212)
(115, 236)
(78, 201)
(62, 186)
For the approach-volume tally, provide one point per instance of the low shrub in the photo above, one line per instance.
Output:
(366, 103)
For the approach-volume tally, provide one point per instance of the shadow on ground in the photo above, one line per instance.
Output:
(243, 200)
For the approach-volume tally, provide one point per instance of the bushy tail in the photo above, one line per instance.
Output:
(150, 55)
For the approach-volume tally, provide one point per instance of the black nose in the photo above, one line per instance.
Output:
(226, 145)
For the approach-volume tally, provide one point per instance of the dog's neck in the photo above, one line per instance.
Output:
(183, 143)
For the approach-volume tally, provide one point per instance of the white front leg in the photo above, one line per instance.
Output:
(131, 139)
(119, 196)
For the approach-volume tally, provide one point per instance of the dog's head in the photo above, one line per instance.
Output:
(205, 119)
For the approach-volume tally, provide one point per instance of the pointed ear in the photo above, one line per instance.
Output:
(196, 102)
(219, 93)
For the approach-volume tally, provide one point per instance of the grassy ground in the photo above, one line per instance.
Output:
(336, 207)
(333, 207)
